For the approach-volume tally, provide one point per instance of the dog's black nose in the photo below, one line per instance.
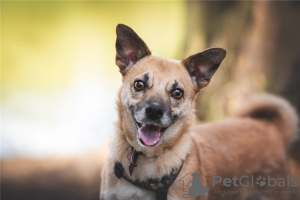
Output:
(154, 110)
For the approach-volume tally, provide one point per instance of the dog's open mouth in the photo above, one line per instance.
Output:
(149, 134)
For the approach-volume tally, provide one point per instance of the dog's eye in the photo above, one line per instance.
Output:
(139, 85)
(177, 93)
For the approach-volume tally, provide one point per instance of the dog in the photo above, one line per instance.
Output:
(155, 148)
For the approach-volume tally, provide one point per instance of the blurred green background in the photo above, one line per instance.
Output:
(59, 80)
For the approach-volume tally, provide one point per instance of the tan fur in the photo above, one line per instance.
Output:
(254, 141)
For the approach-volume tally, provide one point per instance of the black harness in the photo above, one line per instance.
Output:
(159, 186)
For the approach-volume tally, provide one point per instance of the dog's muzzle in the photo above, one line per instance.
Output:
(150, 122)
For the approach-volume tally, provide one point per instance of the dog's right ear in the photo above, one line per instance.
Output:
(130, 47)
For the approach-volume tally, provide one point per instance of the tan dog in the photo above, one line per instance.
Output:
(231, 158)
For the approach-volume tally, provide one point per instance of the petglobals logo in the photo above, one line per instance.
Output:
(246, 181)
(192, 185)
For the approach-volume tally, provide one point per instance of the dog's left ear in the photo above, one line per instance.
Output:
(203, 65)
(130, 47)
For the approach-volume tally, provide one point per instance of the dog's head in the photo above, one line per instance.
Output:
(157, 95)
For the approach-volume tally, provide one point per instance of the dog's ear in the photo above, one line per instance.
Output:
(203, 65)
(130, 47)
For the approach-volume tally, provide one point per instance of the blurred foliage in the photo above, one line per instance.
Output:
(46, 44)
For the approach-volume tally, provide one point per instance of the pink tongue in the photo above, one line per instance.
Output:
(149, 134)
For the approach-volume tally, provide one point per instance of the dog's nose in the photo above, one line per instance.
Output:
(154, 110)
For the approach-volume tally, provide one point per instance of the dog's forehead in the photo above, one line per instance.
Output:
(167, 70)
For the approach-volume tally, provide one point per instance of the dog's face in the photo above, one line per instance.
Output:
(157, 94)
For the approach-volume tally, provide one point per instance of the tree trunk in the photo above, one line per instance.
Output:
(263, 51)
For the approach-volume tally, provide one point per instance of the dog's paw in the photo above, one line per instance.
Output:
(261, 181)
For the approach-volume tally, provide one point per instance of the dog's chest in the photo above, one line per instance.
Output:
(124, 190)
